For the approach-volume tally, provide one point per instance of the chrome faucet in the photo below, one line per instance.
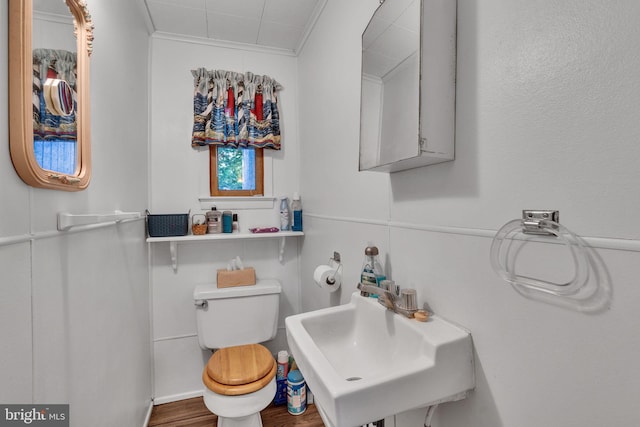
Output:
(392, 301)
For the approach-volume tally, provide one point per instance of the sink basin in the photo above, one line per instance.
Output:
(363, 362)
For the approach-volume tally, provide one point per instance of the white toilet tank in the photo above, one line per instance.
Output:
(237, 315)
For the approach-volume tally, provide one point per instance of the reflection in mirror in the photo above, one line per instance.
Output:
(390, 84)
(54, 87)
(49, 48)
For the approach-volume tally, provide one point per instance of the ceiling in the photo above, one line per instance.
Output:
(279, 24)
(392, 36)
(51, 7)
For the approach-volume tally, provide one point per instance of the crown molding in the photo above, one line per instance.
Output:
(222, 43)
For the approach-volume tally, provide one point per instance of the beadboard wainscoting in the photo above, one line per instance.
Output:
(451, 271)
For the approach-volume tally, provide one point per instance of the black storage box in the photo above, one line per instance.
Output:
(167, 225)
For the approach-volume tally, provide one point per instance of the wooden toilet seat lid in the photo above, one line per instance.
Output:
(239, 370)
(236, 390)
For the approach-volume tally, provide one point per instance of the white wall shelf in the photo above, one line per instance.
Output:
(174, 240)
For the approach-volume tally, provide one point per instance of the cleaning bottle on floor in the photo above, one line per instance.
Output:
(296, 393)
(282, 370)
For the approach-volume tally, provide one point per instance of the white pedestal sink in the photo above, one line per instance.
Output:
(364, 363)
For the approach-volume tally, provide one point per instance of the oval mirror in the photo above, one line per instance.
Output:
(49, 131)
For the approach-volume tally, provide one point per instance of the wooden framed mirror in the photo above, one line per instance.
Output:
(49, 96)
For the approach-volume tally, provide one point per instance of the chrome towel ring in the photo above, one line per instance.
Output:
(538, 223)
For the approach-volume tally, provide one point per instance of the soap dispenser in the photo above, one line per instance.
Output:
(372, 273)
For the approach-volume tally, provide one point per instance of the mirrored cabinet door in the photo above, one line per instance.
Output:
(407, 111)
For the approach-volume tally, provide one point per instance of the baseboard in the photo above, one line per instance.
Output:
(175, 397)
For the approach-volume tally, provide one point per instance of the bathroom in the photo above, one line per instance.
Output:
(546, 118)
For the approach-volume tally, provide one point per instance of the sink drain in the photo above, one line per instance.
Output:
(354, 378)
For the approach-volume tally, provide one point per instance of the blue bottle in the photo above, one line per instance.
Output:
(227, 219)
(296, 207)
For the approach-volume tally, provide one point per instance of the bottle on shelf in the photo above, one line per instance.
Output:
(296, 208)
(235, 225)
(284, 214)
(214, 221)
(227, 220)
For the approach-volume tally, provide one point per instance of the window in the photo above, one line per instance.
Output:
(236, 171)
(57, 155)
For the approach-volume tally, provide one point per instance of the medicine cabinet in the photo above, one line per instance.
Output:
(407, 112)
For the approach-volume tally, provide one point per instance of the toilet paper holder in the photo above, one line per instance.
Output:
(333, 261)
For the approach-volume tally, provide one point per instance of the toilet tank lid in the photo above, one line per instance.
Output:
(262, 287)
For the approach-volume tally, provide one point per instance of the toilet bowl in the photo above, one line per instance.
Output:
(240, 411)
(240, 382)
(239, 377)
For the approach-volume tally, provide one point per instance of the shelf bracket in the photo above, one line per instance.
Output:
(281, 255)
(173, 250)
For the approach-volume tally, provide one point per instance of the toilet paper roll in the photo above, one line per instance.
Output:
(322, 276)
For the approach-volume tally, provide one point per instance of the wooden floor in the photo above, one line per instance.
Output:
(193, 413)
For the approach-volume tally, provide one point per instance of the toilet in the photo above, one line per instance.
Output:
(239, 378)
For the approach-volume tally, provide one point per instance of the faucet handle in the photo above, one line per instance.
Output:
(390, 285)
(385, 297)
(387, 300)
(408, 299)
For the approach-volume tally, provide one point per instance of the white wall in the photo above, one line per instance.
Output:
(179, 177)
(547, 97)
(51, 33)
(75, 310)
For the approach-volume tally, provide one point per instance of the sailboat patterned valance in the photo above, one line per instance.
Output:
(54, 68)
(235, 110)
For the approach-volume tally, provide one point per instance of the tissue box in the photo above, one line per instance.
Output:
(245, 277)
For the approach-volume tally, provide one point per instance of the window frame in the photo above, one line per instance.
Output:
(213, 175)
